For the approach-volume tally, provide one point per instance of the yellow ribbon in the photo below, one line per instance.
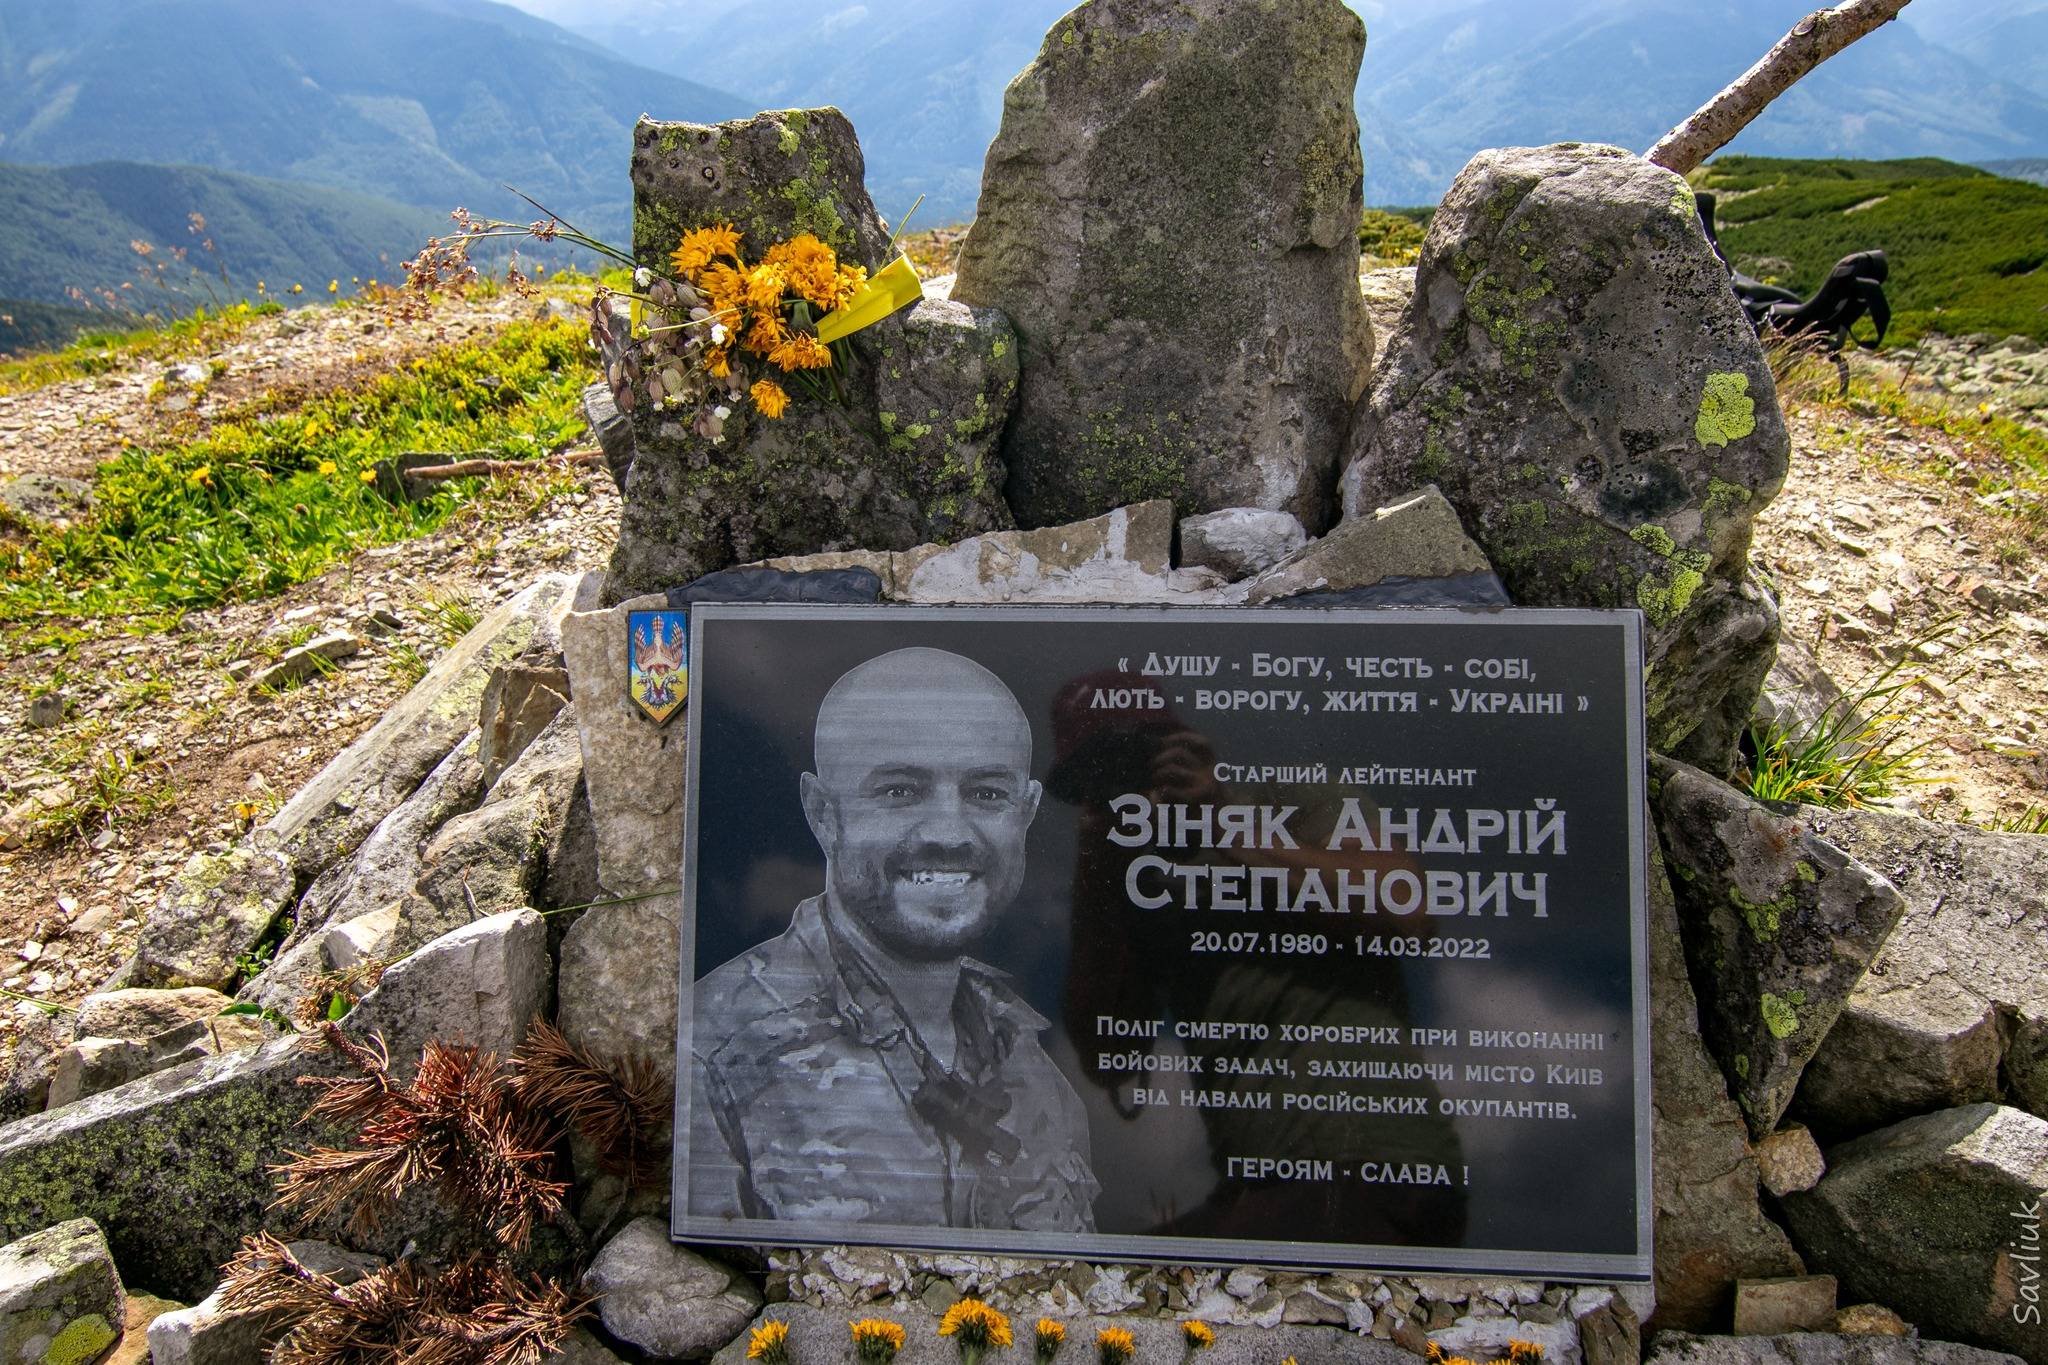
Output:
(894, 287)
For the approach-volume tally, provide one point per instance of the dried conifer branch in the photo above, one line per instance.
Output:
(1813, 40)
(453, 1124)
(619, 1107)
(468, 1314)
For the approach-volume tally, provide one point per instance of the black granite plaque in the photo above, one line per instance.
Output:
(1229, 935)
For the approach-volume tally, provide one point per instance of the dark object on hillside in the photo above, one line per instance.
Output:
(1854, 288)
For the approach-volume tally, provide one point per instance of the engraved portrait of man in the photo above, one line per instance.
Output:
(863, 1066)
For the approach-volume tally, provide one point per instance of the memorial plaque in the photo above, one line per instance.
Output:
(1286, 936)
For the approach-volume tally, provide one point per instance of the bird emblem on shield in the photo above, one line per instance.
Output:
(658, 661)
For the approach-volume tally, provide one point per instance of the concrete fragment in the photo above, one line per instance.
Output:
(1238, 542)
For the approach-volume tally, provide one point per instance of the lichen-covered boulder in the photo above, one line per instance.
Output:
(60, 1298)
(1955, 1007)
(1938, 1217)
(1169, 216)
(1780, 926)
(1710, 1230)
(909, 456)
(1576, 376)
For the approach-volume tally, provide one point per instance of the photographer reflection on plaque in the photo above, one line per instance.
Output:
(862, 1066)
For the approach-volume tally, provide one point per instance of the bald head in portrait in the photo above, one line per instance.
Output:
(863, 1066)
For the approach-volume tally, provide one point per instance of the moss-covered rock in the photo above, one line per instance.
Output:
(61, 1301)
(908, 456)
(1169, 215)
(1575, 374)
(1780, 926)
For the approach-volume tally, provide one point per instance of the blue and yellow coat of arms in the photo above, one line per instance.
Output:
(658, 661)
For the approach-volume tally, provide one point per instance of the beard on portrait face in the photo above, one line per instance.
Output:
(921, 900)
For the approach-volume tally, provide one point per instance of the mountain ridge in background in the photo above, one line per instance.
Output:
(922, 80)
(435, 103)
(72, 226)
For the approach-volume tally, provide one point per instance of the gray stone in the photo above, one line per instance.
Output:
(336, 811)
(1798, 695)
(1710, 1230)
(1238, 542)
(49, 498)
(817, 1336)
(1796, 1303)
(1780, 926)
(140, 1014)
(208, 1333)
(480, 986)
(25, 1086)
(581, 1348)
(60, 1297)
(825, 476)
(212, 911)
(373, 879)
(1928, 1216)
(1575, 373)
(1955, 1007)
(665, 1299)
(46, 711)
(361, 940)
(174, 1167)
(518, 703)
(617, 982)
(1415, 536)
(1610, 1332)
(496, 857)
(90, 1065)
(1815, 1348)
(305, 662)
(1789, 1161)
(613, 430)
(1169, 216)
(632, 768)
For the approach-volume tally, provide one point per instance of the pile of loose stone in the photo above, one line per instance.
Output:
(1849, 1009)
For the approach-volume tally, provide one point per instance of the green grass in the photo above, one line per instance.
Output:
(1394, 236)
(269, 499)
(102, 351)
(1966, 247)
(1861, 749)
(1988, 455)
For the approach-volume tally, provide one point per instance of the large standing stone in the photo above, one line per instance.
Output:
(1169, 215)
(60, 1297)
(1939, 1217)
(665, 1299)
(632, 768)
(1780, 927)
(1710, 1230)
(909, 456)
(1575, 374)
(1954, 1008)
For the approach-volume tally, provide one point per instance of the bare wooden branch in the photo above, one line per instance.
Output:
(1813, 40)
(469, 469)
